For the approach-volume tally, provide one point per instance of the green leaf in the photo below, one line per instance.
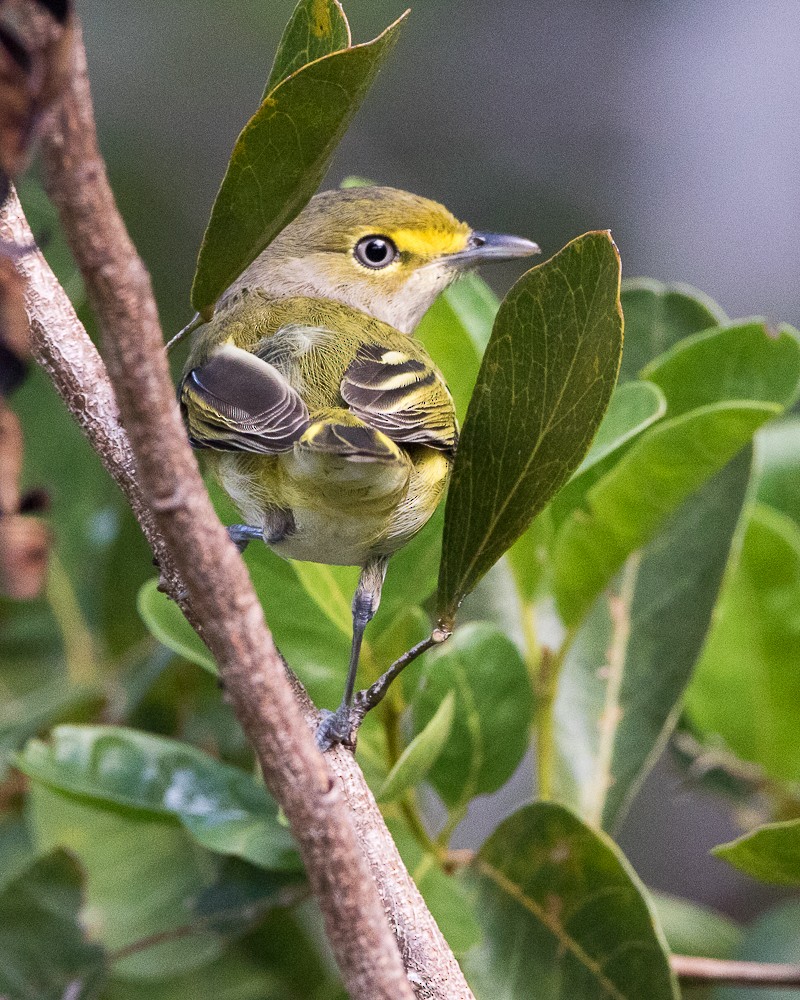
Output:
(561, 908)
(280, 158)
(658, 316)
(634, 406)
(421, 753)
(142, 873)
(315, 29)
(165, 620)
(745, 691)
(493, 709)
(45, 954)
(695, 930)
(16, 849)
(742, 361)
(633, 501)
(628, 666)
(778, 466)
(543, 387)
(230, 977)
(774, 937)
(455, 331)
(770, 853)
(222, 807)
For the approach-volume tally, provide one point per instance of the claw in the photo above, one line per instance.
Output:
(336, 728)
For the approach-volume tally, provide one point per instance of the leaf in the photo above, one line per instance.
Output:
(772, 938)
(165, 620)
(543, 387)
(142, 872)
(16, 849)
(45, 952)
(695, 930)
(561, 908)
(625, 673)
(315, 29)
(280, 158)
(742, 361)
(421, 753)
(771, 853)
(746, 689)
(493, 709)
(658, 316)
(778, 465)
(222, 807)
(230, 977)
(634, 406)
(633, 501)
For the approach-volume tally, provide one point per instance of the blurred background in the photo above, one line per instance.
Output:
(676, 125)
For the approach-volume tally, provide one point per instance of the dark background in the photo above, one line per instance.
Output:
(676, 125)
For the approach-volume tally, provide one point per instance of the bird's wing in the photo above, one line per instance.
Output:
(403, 396)
(236, 401)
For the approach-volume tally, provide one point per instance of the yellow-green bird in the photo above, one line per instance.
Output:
(329, 426)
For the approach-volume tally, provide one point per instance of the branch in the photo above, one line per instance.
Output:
(204, 572)
(734, 973)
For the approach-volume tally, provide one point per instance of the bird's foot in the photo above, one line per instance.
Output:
(337, 728)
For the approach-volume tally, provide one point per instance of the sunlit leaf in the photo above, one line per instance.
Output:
(280, 158)
(543, 387)
(421, 753)
(222, 807)
(771, 853)
(315, 29)
(561, 908)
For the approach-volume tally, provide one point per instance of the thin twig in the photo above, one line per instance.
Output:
(734, 973)
(203, 566)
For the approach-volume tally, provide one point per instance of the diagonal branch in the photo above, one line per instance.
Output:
(157, 472)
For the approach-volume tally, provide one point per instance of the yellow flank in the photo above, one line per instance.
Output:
(433, 242)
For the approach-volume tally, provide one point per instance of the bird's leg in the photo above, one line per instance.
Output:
(242, 534)
(336, 727)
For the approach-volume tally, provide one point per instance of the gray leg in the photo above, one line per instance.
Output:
(336, 726)
(242, 534)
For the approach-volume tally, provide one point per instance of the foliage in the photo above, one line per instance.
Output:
(634, 552)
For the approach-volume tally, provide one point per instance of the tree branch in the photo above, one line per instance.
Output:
(159, 476)
(717, 970)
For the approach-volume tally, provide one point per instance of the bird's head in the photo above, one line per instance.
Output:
(383, 251)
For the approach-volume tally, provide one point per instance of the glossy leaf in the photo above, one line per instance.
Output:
(778, 465)
(561, 908)
(742, 361)
(771, 853)
(659, 315)
(223, 808)
(746, 690)
(691, 929)
(628, 666)
(421, 753)
(315, 29)
(493, 708)
(280, 158)
(44, 948)
(631, 504)
(543, 387)
(142, 873)
(773, 937)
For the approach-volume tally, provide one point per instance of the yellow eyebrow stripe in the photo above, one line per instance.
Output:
(431, 242)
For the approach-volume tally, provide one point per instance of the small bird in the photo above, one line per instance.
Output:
(328, 425)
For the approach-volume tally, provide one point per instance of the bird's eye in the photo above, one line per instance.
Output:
(375, 251)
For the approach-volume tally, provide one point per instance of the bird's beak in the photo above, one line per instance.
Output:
(483, 247)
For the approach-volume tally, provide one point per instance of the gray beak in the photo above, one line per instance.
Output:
(493, 246)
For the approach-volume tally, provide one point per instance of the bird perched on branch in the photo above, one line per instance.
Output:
(329, 426)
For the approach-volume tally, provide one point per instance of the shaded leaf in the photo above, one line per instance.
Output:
(691, 929)
(778, 466)
(561, 908)
(166, 622)
(493, 709)
(279, 160)
(771, 853)
(659, 315)
(230, 977)
(626, 670)
(773, 937)
(543, 387)
(45, 953)
(16, 849)
(315, 29)
(421, 753)
(633, 501)
(746, 690)
(222, 807)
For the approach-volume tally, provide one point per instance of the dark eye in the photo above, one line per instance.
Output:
(375, 251)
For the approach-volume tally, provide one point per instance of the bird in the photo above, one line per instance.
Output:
(320, 415)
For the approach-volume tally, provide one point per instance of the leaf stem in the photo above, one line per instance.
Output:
(734, 973)
(80, 653)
